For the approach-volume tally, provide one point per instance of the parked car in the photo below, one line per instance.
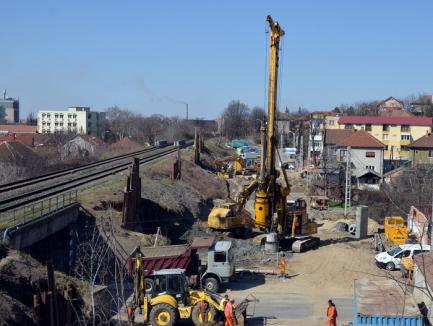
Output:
(391, 259)
(161, 143)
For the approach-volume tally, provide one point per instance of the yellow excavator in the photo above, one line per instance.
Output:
(231, 215)
(271, 209)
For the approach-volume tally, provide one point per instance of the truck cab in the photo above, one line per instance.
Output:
(220, 265)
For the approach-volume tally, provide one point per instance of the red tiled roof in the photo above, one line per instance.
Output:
(333, 136)
(390, 120)
(425, 141)
(361, 139)
(18, 129)
(27, 139)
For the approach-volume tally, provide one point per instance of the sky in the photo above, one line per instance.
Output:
(150, 57)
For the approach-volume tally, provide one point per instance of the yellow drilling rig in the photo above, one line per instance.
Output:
(271, 211)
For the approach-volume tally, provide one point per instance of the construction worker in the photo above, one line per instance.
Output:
(282, 265)
(226, 299)
(331, 313)
(203, 305)
(130, 310)
(229, 313)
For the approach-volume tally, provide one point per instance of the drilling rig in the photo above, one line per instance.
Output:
(271, 214)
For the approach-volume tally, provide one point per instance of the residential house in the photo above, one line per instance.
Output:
(318, 121)
(366, 158)
(395, 132)
(81, 146)
(423, 283)
(423, 105)
(389, 105)
(421, 150)
(332, 138)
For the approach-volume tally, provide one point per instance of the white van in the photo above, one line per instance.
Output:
(391, 259)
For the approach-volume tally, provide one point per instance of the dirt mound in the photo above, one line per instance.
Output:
(13, 312)
(125, 145)
(17, 153)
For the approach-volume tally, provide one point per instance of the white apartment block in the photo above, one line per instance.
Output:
(76, 119)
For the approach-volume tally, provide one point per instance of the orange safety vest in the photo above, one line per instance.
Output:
(228, 310)
(282, 265)
(331, 313)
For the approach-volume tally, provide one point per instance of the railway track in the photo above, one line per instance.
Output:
(46, 191)
(49, 176)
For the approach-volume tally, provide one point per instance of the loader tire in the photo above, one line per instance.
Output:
(163, 314)
(352, 228)
(197, 317)
(148, 285)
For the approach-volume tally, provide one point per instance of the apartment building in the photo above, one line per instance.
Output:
(395, 132)
(76, 119)
(9, 109)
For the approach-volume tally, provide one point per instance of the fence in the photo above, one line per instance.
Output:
(23, 214)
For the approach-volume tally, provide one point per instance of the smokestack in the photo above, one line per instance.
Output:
(4, 94)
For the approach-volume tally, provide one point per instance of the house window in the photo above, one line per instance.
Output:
(89, 124)
(331, 122)
(57, 124)
(404, 149)
(405, 128)
(370, 154)
(385, 136)
(405, 137)
(369, 167)
(74, 124)
(430, 153)
(61, 124)
(385, 128)
(348, 126)
(89, 116)
(386, 147)
(368, 127)
(343, 154)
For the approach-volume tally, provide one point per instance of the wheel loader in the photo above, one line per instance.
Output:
(165, 297)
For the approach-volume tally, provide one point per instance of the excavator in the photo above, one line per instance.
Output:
(293, 229)
(231, 215)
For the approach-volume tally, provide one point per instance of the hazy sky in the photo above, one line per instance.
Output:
(149, 56)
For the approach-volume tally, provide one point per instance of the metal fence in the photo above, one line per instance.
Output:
(26, 213)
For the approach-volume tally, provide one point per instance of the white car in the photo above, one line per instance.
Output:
(391, 259)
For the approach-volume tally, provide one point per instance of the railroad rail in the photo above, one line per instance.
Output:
(49, 176)
(43, 192)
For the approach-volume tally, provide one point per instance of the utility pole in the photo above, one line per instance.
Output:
(301, 151)
(347, 190)
(308, 162)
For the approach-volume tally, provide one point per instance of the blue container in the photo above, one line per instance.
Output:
(236, 143)
(383, 303)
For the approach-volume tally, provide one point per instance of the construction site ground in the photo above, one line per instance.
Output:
(312, 277)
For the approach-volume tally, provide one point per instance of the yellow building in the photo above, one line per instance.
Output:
(396, 132)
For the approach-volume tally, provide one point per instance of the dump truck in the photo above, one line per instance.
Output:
(207, 263)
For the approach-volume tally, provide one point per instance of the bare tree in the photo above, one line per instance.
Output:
(235, 117)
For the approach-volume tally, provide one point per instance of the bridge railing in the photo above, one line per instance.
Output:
(27, 213)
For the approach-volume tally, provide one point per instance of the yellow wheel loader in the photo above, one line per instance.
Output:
(165, 297)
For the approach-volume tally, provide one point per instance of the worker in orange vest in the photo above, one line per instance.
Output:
(331, 313)
(229, 313)
(130, 310)
(282, 265)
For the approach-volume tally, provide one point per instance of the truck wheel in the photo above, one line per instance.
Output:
(197, 316)
(162, 314)
(390, 266)
(211, 284)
